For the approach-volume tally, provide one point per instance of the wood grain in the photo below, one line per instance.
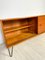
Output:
(16, 30)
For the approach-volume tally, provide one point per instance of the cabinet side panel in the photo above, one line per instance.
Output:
(1, 34)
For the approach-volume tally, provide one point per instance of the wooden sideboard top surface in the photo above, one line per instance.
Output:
(19, 18)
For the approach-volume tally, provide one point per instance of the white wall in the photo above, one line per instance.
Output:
(21, 8)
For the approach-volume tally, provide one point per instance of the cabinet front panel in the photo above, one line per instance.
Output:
(41, 24)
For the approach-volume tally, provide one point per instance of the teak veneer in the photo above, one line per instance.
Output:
(17, 30)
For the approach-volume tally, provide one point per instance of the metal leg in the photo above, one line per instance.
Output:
(10, 52)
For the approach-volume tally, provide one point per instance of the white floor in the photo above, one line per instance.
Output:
(31, 49)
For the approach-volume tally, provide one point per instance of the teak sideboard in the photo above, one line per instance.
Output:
(19, 29)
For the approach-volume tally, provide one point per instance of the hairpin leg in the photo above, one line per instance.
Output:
(10, 52)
